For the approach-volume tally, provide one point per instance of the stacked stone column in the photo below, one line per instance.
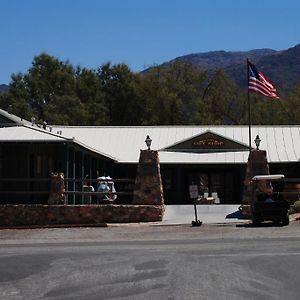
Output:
(257, 165)
(57, 189)
(148, 184)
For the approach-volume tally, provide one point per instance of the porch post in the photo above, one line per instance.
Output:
(82, 175)
(74, 174)
(67, 171)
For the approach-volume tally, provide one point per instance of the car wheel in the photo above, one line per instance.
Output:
(256, 221)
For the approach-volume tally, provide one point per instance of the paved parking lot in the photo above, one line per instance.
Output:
(144, 231)
(151, 261)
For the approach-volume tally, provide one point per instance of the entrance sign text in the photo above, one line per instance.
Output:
(208, 143)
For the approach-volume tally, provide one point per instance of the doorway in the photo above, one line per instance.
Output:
(214, 183)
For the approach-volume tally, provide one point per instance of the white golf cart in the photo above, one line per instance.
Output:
(268, 205)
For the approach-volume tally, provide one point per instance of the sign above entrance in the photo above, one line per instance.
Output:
(208, 143)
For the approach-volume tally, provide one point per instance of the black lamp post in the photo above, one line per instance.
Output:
(148, 142)
(257, 142)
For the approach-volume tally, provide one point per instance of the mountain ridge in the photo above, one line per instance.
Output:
(222, 58)
(282, 66)
(3, 88)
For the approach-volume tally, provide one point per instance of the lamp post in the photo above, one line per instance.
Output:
(148, 142)
(257, 142)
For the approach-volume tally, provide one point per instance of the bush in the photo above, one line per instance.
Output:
(295, 208)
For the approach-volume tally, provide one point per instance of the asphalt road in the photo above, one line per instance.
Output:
(151, 262)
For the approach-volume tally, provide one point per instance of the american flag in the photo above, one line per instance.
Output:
(259, 83)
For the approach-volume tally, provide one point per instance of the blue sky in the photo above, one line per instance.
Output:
(139, 33)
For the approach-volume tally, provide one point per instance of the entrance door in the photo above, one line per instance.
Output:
(216, 184)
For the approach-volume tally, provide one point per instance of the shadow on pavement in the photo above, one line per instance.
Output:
(261, 225)
(235, 215)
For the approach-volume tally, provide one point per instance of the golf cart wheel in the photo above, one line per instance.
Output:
(286, 221)
(256, 221)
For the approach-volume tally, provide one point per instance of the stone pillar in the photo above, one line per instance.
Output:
(257, 165)
(57, 189)
(148, 184)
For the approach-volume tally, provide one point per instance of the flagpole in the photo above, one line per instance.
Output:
(249, 107)
(249, 123)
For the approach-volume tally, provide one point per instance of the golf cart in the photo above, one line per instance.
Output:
(268, 205)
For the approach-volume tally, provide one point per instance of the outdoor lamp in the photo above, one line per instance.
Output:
(257, 142)
(148, 141)
(32, 120)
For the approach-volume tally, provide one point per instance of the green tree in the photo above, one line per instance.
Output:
(50, 83)
(47, 92)
(172, 94)
(16, 99)
(120, 87)
(290, 106)
(176, 93)
(225, 102)
(90, 94)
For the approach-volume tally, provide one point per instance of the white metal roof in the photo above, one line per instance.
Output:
(123, 144)
(282, 143)
(13, 118)
(35, 134)
(27, 134)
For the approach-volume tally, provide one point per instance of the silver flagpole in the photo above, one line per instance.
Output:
(249, 109)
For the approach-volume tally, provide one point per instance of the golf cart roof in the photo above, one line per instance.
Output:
(268, 177)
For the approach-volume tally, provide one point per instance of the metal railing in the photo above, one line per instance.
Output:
(37, 190)
(77, 190)
(29, 182)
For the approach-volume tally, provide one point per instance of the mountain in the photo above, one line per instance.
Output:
(282, 67)
(3, 88)
(222, 59)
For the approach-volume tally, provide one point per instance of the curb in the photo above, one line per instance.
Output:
(54, 226)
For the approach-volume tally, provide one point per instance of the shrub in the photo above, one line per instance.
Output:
(295, 208)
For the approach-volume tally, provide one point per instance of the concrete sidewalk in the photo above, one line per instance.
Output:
(185, 214)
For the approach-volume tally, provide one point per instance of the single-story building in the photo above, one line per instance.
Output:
(213, 157)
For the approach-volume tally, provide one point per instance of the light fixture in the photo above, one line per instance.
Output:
(257, 142)
(32, 121)
(44, 125)
(148, 142)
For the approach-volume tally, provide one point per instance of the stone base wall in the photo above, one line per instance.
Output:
(43, 215)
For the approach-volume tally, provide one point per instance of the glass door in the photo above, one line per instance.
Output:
(215, 184)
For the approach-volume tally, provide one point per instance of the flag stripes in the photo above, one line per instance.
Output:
(259, 83)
